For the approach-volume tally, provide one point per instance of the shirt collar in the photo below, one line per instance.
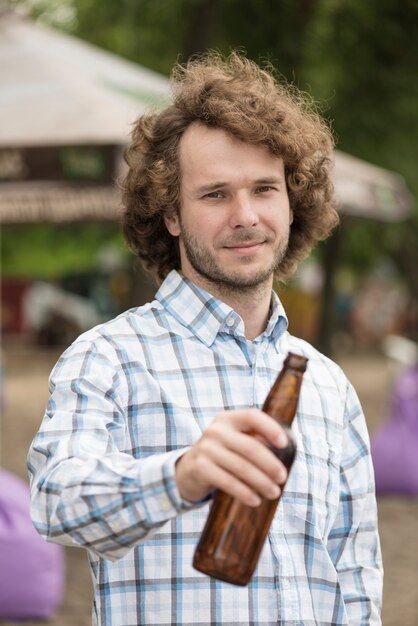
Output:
(206, 316)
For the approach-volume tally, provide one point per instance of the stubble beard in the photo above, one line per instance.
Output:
(205, 264)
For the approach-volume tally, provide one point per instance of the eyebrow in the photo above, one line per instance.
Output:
(210, 187)
(267, 180)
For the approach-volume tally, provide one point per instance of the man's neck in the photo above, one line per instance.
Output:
(254, 313)
(251, 304)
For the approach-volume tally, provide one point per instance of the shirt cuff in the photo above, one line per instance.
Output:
(159, 497)
(180, 503)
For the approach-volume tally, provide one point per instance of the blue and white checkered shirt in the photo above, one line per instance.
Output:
(128, 397)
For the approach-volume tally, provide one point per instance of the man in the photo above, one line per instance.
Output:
(227, 188)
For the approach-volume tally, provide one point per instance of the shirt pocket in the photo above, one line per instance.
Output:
(311, 496)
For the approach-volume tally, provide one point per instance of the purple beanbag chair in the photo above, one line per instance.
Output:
(31, 570)
(395, 445)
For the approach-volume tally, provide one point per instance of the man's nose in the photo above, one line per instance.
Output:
(243, 213)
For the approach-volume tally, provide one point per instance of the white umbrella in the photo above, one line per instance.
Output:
(58, 90)
(366, 190)
(66, 111)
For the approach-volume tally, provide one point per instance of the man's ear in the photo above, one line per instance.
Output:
(172, 222)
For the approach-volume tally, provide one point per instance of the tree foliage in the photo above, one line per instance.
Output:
(50, 251)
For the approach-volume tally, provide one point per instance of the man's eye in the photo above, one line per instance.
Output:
(264, 189)
(213, 194)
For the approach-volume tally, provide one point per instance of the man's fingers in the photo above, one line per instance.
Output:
(232, 455)
(257, 422)
(246, 472)
(245, 446)
(235, 487)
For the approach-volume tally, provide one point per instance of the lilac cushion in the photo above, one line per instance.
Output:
(31, 570)
(395, 444)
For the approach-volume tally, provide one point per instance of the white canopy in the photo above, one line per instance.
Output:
(57, 90)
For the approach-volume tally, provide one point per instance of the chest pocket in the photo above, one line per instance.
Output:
(311, 495)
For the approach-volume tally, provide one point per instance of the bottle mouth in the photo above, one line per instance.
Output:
(296, 361)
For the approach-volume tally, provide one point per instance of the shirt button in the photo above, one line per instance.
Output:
(230, 321)
(166, 505)
(286, 584)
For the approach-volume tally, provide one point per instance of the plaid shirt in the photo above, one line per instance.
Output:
(128, 397)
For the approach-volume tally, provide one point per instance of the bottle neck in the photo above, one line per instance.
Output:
(281, 403)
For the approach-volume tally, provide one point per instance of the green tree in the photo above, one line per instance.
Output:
(362, 60)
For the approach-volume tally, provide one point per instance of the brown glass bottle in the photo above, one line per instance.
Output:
(234, 533)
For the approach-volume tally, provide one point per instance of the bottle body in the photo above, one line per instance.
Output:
(234, 533)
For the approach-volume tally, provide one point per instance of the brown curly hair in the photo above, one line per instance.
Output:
(249, 102)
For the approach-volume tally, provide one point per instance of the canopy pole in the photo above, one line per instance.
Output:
(331, 256)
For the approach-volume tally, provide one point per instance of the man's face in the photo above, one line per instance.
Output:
(235, 217)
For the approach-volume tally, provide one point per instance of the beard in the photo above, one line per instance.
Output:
(204, 262)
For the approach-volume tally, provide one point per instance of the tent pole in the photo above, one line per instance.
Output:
(326, 326)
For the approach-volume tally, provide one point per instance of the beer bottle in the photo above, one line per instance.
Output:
(234, 533)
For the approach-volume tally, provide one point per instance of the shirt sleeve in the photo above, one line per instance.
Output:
(85, 490)
(354, 543)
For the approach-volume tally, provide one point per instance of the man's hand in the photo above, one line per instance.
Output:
(229, 457)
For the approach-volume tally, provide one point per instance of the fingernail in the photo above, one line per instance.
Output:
(254, 500)
(281, 440)
(274, 492)
(281, 476)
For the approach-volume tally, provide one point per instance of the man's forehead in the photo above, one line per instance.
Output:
(211, 147)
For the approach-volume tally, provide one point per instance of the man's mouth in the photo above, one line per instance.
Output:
(245, 247)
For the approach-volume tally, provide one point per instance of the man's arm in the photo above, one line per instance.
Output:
(87, 491)
(353, 542)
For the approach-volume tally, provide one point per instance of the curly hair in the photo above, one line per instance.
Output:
(249, 102)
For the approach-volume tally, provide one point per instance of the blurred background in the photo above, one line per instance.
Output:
(74, 75)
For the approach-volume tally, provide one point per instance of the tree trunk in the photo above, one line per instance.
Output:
(202, 19)
(326, 327)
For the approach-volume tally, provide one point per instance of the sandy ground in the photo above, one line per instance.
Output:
(26, 373)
